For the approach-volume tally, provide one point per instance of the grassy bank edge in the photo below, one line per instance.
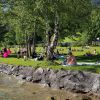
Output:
(48, 64)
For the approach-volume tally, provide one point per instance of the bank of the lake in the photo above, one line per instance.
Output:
(12, 88)
(75, 81)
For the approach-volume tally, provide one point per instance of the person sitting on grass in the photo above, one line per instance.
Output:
(34, 55)
(71, 60)
(5, 55)
(9, 51)
(95, 52)
(39, 58)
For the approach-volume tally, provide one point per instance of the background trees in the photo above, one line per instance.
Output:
(48, 21)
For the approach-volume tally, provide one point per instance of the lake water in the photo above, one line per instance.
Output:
(14, 89)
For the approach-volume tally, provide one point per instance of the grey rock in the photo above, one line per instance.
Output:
(39, 70)
(77, 81)
(37, 75)
(29, 78)
(96, 84)
(21, 77)
(36, 78)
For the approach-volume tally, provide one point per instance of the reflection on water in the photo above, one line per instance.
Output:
(13, 89)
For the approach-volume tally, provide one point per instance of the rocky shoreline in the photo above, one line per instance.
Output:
(75, 81)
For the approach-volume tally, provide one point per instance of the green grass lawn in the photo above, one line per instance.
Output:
(64, 50)
(56, 64)
(45, 64)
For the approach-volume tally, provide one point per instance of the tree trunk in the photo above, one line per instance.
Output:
(29, 49)
(27, 44)
(54, 42)
(34, 42)
(47, 38)
(33, 45)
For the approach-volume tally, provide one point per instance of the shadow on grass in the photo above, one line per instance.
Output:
(93, 58)
(93, 69)
(88, 68)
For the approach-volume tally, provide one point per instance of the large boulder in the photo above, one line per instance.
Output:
(37, 75)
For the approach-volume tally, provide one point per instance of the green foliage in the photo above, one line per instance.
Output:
(3, 31)
(47, 64)
(23, 14)
(84, 39)
(94, 28)
(9, 38)
(27, 16)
